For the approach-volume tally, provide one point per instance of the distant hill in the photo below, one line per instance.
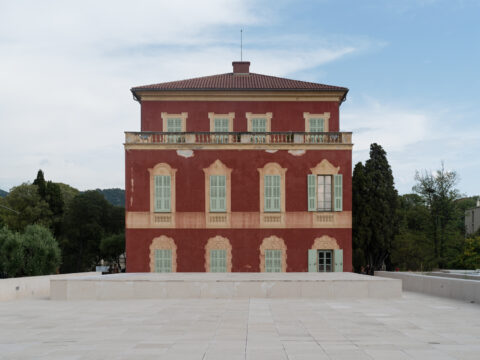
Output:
(114, 196)
(3, 193)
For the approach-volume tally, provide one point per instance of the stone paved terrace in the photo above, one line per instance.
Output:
(414, 326)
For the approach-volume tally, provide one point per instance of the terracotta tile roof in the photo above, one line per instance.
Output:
(231, 81)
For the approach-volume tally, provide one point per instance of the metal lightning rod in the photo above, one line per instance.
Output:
(241, 44)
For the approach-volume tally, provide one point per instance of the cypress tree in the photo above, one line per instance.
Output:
(374, 210)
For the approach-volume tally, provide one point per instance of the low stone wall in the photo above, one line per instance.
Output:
(461, 289)
(332, 286)
(32, 286)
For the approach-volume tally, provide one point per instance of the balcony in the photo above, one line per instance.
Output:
(238, 138)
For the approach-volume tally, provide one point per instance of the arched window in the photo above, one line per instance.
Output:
(273, 255)
(163, 255)
(218, 255)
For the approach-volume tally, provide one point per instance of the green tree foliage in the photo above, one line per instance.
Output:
(470, 258)
(33, 252)
(11, 253)
(113, 247)
(438, 193)
(374, 206)
(29, 208)
(52, 194)
(114, 196)
(89, 219)
(68, 193)
(411, 248)
(3, 193)
(41, 184)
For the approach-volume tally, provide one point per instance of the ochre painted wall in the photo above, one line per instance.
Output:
(287, 115)
(245, 247)
(190, 178)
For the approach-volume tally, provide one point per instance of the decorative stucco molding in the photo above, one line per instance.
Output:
(163, 243)
(325, 242)
(218, 243)
(272, 219)
(218, 219)
(273, 243)
(325, 167)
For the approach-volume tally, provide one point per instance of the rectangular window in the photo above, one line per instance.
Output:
(174, 125)
(273, 260)
(218, 261)
(163, 261)
(259, 125)
(324, 193)
(324, 260)
(162, 193)
(218, 190)
(221, 125)
(272, 193)
(316, 124)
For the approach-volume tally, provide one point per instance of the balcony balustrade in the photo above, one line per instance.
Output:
(148, 137)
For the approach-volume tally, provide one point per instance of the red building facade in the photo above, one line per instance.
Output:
(238, 172)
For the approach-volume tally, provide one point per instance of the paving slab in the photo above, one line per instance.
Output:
(414, 326)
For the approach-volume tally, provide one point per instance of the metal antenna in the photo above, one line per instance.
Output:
(241, 44)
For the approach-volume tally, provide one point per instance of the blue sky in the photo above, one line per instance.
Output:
(66, 69)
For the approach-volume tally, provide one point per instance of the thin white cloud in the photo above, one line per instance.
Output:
(414, 139)
(67, 67)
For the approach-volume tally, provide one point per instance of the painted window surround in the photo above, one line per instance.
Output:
(162, 169)
(272, 219)
(325, 116)
(183, 116)
(230, 116)
(325, 167)
(273, 243)
(218, 243)
(267, 116)
(163, 243)
(218, 219)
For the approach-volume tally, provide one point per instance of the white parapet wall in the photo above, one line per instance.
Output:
(461, 289)
(32, 286)
(225, 285)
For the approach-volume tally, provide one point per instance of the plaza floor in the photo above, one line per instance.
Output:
(414, 326)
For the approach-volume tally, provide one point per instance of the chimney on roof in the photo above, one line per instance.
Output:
(241, 67)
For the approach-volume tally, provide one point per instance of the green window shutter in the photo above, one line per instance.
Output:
(218, 191)
(312, 260)
(338, 259)
(273, 260)
(272, 193)
(317, 125)
(338, 192)
(162, 193)
(312, 192)
(221, 125)
(163, 260)
(218, 261)
(174, 125)
(259, 125)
